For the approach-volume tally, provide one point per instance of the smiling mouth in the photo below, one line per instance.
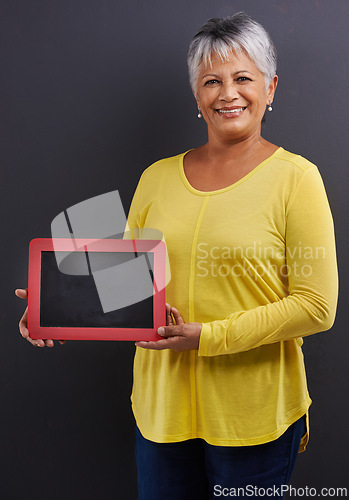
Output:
(231, 112)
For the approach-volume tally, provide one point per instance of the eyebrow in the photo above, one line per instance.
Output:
(217, 76)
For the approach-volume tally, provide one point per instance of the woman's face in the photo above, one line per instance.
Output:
(232, 97)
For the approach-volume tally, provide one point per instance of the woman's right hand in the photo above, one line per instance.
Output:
(23, 324)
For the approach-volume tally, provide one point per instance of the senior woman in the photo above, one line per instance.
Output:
(221, 402)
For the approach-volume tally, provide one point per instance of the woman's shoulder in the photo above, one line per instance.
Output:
(163, 166)
(294, 161)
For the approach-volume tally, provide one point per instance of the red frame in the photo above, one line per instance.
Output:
(38, 245)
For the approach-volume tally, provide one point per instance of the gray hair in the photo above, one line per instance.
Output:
(224, 34)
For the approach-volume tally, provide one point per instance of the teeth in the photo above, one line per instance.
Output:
(237, 110)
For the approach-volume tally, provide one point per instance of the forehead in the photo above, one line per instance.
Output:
(236, 61)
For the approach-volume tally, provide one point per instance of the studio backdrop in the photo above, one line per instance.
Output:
(93, 92)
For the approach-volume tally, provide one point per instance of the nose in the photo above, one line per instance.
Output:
(229, 91)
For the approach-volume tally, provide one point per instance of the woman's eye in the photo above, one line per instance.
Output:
(243, 79)
(211, 82)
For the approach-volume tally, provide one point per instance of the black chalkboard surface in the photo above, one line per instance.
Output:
(72, 301)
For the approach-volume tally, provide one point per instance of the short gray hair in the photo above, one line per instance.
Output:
(224, 34)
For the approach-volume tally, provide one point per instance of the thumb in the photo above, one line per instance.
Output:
(170, 331)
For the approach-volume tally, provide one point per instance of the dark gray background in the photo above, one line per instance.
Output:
(94, 91)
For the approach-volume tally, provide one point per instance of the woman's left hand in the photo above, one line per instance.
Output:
(178, 336)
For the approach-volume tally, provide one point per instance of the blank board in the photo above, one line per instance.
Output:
(109, 289)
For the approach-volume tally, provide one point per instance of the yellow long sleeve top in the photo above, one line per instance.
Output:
(255, 263)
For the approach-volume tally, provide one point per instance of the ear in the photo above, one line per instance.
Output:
(271, 89)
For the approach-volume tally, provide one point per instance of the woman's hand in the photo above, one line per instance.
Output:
(23, 324)
(178, 336)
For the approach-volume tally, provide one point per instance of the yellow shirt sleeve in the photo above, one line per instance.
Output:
(311, 266)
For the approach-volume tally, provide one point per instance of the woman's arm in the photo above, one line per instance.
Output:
(311, 262)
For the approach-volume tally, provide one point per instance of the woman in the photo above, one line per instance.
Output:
(221, 402)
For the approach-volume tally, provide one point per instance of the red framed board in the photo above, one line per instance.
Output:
(108, 289)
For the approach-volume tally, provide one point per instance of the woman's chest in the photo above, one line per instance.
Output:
(221, 225)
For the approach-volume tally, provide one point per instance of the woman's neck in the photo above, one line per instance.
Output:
(219, 151)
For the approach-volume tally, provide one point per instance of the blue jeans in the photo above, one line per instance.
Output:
(196, 470)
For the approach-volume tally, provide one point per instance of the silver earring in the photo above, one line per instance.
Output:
(199, 114)
(270, 107)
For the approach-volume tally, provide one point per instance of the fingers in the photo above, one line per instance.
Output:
(22, 293)
(42, 342)
(36, 342)
(173, 314)
(23, 324)
(183, 337)
(169, 318)
(173, 321)
(23, 328)
(178, 318)
(158, 345)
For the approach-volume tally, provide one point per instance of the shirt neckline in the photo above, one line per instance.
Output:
(227, 188)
